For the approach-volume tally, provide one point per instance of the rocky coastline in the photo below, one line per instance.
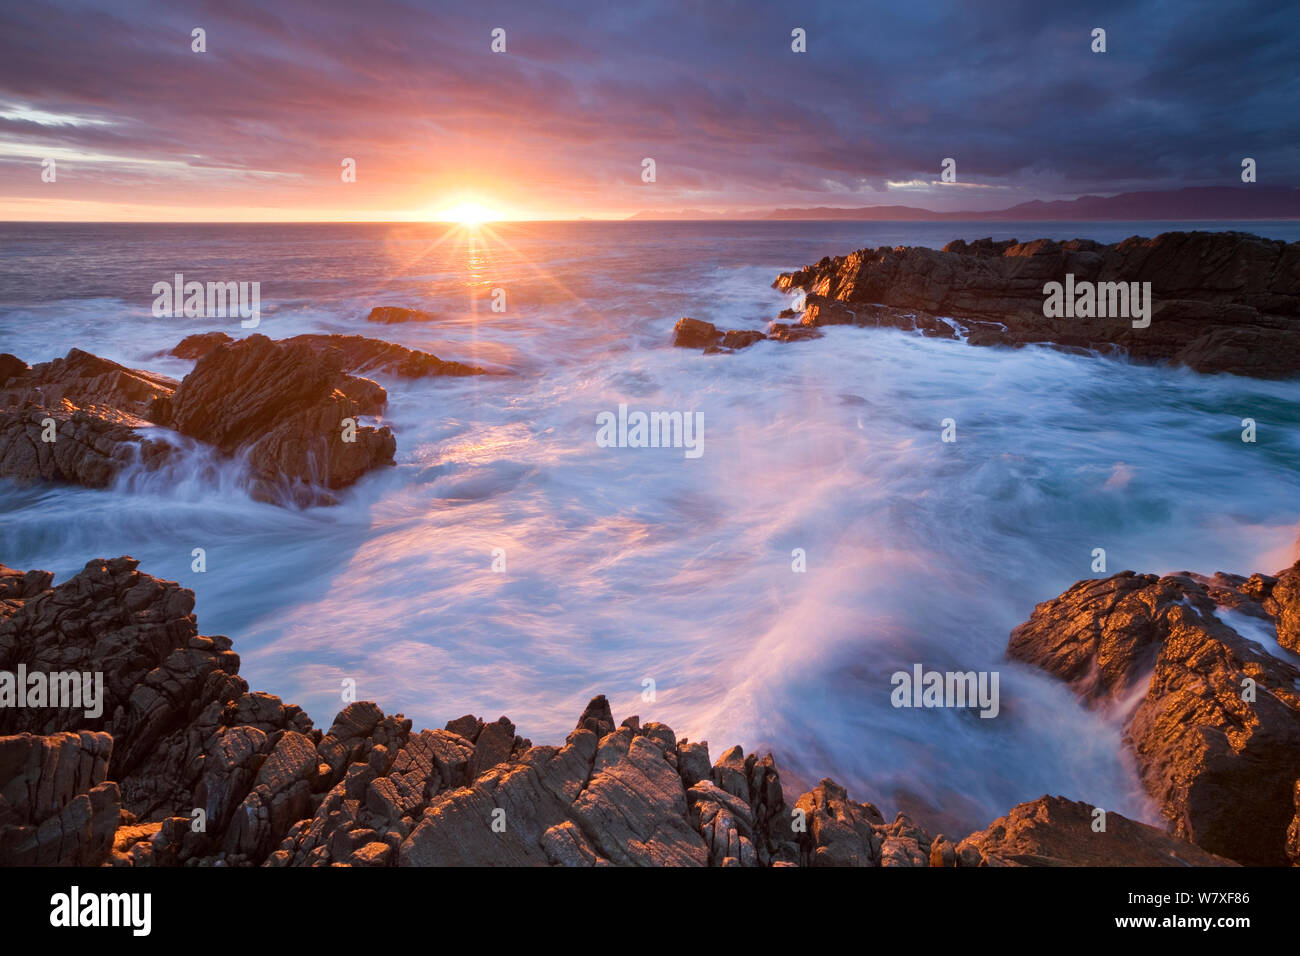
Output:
(292, 409)
(1220, 301)
(182, 741)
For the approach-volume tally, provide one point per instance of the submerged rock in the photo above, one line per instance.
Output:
(389, 314)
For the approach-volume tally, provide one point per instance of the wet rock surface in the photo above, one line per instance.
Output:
(289, 409)
(183, 765)
(1217, 734)
(1221, 301)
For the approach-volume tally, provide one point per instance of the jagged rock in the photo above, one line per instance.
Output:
(363, 355)
(88, 449)
(492, 746)
(56, 806)
(82, 380)
(1217, 737)
(597, 717)
(836, 830)
(10, 367)
(467, 726)
(502, 817)
(360, 355)
(200, 344)
(285, 403)
(1223, 301)
(1053, 831)
(1281, 599)
(191, 744)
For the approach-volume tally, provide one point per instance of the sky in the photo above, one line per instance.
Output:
(256, 127)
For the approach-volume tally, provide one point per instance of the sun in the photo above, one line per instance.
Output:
(469, 214)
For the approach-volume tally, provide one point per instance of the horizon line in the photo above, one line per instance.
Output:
(636, 217)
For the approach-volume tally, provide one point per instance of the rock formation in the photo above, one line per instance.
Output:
(185, 766)
(1222, 301)
(1217, 735)
(281, 405)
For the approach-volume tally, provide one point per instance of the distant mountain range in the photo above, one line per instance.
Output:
(1191, 203)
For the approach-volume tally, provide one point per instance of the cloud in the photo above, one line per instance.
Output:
(559, 124)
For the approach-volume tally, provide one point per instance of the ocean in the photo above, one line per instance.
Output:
(624, 566)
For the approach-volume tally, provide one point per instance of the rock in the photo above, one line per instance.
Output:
(492, 747)
(56, 806)
(693, 334)
(837, 831)
(1222, 301)
(181, 739)
(783, 332)
(11, 366)
(285, 405)
(467, 726)
(362, 355)
(1053, 831)
(84, 381)
(1293, 830)
(1217, 736)
(200, 344)
(741, 339)
(94, 405)
(88, 449)
(167, 693)
(389, 314)
(597, 717)
(1282, 602)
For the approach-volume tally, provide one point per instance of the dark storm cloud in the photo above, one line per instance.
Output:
(712, 91)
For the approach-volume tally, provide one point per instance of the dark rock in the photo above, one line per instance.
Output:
(1222, 301)
(782, 332)
(1217, 737)
(80, 380)
(741, 339)
(11, 366)
(597, 717)
(1053, 831)
(180, 733)
(56, 806)
(200, 344)
(362, 355)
